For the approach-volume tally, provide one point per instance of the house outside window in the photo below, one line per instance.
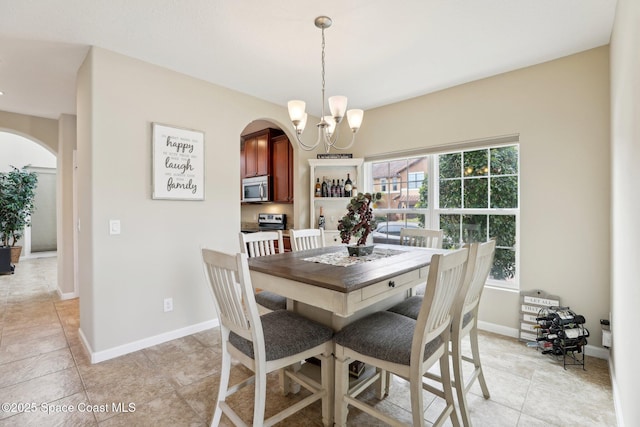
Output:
(415, 179)
(473, 197)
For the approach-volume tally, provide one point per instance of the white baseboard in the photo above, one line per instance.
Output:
(616, 395)
(594, 351)
(101, 356)
(589, 350)
(498, 329)
(65, 296)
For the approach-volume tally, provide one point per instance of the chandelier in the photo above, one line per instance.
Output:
(328, 126)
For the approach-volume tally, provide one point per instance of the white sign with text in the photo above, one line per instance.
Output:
(178, 163)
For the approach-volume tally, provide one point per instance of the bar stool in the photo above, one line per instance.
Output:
(263, 344)
(403, 346)
(465, 322)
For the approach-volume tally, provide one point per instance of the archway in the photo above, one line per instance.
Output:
(249, 212)
(25, 152)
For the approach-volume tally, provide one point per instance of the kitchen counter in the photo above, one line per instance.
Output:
(252, 227)
(249, 227)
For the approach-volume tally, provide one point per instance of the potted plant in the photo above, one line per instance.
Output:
(17, 193)
(359, 222)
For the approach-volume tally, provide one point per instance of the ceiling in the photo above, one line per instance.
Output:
(377, 51)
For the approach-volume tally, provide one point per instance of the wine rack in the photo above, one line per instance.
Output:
(561, 332)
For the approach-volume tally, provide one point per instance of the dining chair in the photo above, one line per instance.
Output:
(260, 244)
(306, 238)
(263, 344)
(465, 322)
(405, 347)
(422, 237)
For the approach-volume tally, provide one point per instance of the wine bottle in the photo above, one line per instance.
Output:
(318, 188)
(334, 189)
(348, 185)
(325, 188)
(321, 220)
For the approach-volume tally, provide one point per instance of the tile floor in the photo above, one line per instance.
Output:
(43, 365)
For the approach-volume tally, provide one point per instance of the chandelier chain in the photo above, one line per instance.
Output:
(323, 81)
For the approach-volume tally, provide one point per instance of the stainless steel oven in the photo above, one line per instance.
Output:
(255, 189)
(269, 222)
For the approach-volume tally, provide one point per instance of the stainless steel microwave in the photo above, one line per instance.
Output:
(255, 189)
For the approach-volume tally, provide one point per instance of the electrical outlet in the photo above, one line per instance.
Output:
(168, 304)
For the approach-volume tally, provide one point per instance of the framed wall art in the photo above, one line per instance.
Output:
(178, 163)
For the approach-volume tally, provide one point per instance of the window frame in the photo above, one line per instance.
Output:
(433, 211)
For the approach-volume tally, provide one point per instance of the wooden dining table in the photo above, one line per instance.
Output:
(328, 286)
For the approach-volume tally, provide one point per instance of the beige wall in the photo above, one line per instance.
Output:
(560, 109)
(40, 129)
(625, 155)
(124, 279)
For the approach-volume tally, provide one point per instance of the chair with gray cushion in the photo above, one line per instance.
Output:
(264, 243)
(263, 344)
(465, 322)
(403, 346)
(306, 238)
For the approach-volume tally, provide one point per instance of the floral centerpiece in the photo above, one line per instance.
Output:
(359, 222)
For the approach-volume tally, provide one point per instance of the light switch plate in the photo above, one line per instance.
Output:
(114, 226)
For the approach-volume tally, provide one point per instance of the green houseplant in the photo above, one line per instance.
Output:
(359, 222)
(17, 193)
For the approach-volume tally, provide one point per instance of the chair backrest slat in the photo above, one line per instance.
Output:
(261, 243)
(308, 238)
(479, 267)
(421, 237)
(230, 284)
(445, 280)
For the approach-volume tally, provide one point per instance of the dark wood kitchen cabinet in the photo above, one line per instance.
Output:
(282, 156)
(255, 159)
(286, 241)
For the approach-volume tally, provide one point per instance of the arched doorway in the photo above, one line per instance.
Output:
(250, 211)
(18, 151)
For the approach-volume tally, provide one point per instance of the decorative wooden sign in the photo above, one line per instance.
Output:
(531, 302)
(178, 163)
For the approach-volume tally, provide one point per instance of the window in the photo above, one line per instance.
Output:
(415, 179)
(472, 196)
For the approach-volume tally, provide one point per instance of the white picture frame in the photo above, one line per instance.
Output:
(178, 163)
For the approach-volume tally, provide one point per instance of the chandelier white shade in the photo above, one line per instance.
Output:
(329, 124)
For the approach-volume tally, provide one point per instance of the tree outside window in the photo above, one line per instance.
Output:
(480, 180)
(473, 198)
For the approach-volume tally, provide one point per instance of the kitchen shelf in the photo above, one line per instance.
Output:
(333, 207)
